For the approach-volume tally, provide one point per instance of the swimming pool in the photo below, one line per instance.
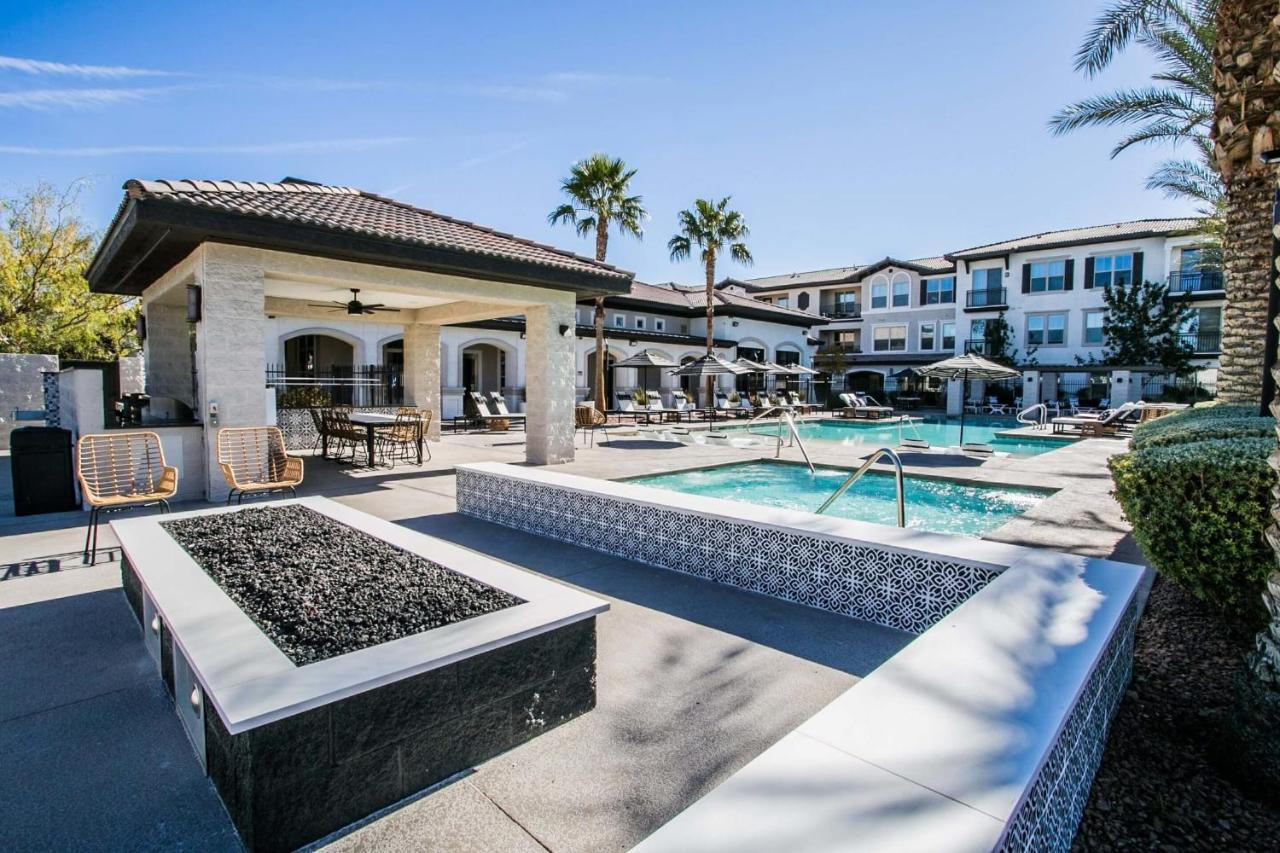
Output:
(940, 506)
(937, 430)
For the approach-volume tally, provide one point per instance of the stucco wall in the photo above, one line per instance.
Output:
(21, 388)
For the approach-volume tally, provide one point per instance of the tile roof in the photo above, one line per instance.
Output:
(833, 275)
(1091, 234)
(348, 209)
(671, 295)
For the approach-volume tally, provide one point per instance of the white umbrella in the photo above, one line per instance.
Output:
(964, 368)
(749, 365)
(645, 359)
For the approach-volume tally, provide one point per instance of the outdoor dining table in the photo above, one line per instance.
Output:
(371, 421)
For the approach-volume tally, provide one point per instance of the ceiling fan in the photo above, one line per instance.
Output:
(355, 306)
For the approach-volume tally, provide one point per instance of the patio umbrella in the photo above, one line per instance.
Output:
(710, 365)
(964, 368)
(645, 360)
(805, 375)
(749, 365)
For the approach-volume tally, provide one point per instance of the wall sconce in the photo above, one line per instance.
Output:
(735, 324)
(564, 329)
(522, 336)
(140, 326)
(193, 303)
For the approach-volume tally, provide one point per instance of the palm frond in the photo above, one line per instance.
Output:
(679, 248)
(1125, 107)
(1114, 29)
(1157, 131)
(1188, 179)
(598, 191)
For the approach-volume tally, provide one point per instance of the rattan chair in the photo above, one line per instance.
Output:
(120, 471)
(254, 461)
(344, 434)
(589, 419)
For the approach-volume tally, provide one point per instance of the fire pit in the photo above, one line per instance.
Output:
(326, 663)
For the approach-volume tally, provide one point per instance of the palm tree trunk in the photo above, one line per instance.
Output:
(1246, 90)
(602, 249)
(710, 399)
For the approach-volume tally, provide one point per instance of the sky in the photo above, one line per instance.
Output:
(844, 132)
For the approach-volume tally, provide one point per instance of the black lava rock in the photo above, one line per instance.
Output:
(319, 588)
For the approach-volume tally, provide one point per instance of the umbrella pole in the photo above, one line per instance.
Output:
(964, 399)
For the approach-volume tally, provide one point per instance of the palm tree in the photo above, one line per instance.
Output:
(1177, 109)
(597, 188)
(712, 227)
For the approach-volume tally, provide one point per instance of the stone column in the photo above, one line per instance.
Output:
(1031, 388)
(1122, 390)
(230, 362)
(422, 372)
(955, 397)
(549, 381)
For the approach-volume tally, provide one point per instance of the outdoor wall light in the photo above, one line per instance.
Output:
(193, 303)
(564, 329)
(632, 342)
(735, 324)
(140, 326)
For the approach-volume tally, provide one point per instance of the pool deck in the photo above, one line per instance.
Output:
(695, 679)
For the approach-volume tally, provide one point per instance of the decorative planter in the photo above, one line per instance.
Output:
(499, 425)
(297, 752)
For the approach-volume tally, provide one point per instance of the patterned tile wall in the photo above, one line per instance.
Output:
(906, 591)
(300, 431)
(52, 403)
(1050, 814)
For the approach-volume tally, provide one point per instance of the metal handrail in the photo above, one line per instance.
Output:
(785, 415)
(866, 466)
(1042, 418)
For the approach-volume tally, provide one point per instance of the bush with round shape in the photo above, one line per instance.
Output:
(1198, 511)
(1181, 431)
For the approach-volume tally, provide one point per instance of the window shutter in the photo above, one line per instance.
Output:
(924, 292)
(1069, 274)
(1137, 267)
(1088, 273)
(1026, 278)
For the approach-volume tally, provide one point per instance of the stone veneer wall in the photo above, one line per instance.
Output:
(893, 588)
(1049, 815)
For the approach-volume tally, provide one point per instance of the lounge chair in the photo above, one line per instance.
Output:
(479, 412)
(121, 471)
(866, 406)
(1108, 423)
(655, 406)
(253, 461)
(805, 408)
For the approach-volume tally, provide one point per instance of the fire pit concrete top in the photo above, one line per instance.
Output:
(251, 682)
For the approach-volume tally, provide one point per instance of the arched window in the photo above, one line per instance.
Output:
(802, 302)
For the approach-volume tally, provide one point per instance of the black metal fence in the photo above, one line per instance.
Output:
(1158, 388)
(360, 385)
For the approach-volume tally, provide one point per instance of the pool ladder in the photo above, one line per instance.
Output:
(1036, 416)
(866, 466)
(785, 418)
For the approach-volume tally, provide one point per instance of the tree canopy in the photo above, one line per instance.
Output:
(45, 303)
(1143, 326)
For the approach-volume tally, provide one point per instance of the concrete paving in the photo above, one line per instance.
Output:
(695, 679)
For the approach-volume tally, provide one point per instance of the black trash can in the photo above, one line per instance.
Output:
(43, 477)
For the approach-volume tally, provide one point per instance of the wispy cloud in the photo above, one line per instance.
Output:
(311, 146)
(595, 78)
(529, 94)
(78, 99)
(481, 159)
(38, 66)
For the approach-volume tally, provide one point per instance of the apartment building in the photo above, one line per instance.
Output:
(892, 314)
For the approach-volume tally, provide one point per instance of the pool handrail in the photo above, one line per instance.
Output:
(1042, 417)
(866, 466)
(787, 416)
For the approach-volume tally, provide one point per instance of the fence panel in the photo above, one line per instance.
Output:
(362, 385)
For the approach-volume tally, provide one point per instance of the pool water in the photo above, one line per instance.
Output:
(937, 430)
(940, 506)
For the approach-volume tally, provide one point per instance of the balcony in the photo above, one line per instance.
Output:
(1203, 342)
(1195, 281)
(842, 311)
(991, 297)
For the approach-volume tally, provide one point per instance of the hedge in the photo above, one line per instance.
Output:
(1198, 511)
(1181, 420)
(1183, 431)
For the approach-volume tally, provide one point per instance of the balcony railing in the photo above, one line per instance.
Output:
(988, 298)
(1195, 281)
(1203, 341)
(977, 346)
(842, 311)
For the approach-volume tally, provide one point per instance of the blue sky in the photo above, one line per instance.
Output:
(843, 131)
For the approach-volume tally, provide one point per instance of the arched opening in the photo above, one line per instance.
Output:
(320, 362)
(391, 371)
(751, 381)
(609, 359)
(484, 368)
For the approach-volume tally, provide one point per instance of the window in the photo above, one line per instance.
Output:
(927, 336)
(786, 356)
(782, 301)
(1048, 275)
(639, 322)
(849, 337)
(901, 293)
(988, 279)
(879, 294)
(890, 338)
(802, 302)
(949, 336)
(1112, 269)
(659, 324)
(1189, 259)
(620, 321)
(1093, 323)
(940, 290)
(1046, 330)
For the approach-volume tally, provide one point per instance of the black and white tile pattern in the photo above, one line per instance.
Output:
(866, 581)
(1048, 817)
(300, 430)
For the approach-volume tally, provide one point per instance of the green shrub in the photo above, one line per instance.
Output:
(1179, 421)
(1204, 429)
(307, 397)
(1198, 511)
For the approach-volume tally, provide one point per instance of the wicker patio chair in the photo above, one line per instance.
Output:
(401, 438)
(345, 434)
(120, 471)
(254, 460)
(589, 419)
